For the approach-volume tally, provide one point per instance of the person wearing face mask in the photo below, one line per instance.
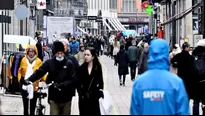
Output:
(143, 59)
(28, 65)
(61, 71)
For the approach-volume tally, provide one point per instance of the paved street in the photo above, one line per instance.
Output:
(12, 105)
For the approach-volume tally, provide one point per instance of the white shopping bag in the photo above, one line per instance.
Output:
(106, 106)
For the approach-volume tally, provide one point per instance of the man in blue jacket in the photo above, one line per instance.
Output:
(158, 91)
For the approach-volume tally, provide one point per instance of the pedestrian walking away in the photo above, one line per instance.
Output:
(158, 91)
(132, 52)
(122, 60)
(116, 49)
(143, 60)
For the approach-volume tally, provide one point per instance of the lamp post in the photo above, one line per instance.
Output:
(85, 14)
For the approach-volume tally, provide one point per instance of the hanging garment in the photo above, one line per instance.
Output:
(11, 58)
(17, 62)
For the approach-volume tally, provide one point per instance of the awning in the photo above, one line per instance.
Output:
(116, 24)
(120, 24)
(16, 39)
(182, 14)
(104, 22)
(113, 25)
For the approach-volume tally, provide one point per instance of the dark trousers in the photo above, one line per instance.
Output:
(26, 103)
(115, 60)
(124, 78)
(89, 106)
(101, 52)
(196, 106)
(133, 70)
(60, 108)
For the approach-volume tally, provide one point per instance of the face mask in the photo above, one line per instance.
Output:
(59, 59)
(32, 59)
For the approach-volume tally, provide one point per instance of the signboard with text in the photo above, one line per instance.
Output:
(56, 26)
(6, 4)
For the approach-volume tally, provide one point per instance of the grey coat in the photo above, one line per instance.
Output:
(143, 62)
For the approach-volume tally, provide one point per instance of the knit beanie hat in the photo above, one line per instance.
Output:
(58, 47)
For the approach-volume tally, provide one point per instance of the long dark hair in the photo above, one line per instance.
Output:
(93, 53)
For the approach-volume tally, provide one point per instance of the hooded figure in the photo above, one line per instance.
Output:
(158, 91)
(198, 83)
(29, 64)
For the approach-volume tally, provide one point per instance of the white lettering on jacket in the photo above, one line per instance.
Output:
(154, 95)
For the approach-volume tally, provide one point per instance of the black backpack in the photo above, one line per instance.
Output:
(199, 67)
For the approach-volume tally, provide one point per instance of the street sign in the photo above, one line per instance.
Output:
(92, 17)
(41, 4)
(99, 19)
(6, 4)
(21, 12)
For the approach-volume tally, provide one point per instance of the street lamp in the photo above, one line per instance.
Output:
(85, 14)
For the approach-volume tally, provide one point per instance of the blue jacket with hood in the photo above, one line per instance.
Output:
(158, 91)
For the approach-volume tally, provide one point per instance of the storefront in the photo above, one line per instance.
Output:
(135, 23)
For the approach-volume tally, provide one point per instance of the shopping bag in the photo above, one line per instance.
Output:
(106, 106)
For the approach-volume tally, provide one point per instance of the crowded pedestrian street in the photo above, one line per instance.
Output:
(121, 96)
(102, 57)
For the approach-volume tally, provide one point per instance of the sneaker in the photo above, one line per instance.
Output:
(120, 83)
(123, 84)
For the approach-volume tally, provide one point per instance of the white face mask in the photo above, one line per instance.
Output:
(59, 59)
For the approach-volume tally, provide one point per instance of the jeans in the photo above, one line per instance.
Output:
(115, 60)
(60, 108)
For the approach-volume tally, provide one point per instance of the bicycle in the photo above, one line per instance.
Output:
(40, 108)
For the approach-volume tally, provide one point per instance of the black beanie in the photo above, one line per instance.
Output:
(58, 47)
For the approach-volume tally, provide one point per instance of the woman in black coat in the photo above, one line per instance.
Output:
(90, 84)
(122, 60)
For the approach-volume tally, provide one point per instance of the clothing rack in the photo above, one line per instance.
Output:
(6, 81)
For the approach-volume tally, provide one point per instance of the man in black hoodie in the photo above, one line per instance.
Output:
(62, 72)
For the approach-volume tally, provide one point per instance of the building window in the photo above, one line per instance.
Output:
(193, 3)
(130, 5)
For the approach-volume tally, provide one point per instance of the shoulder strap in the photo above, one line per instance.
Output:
(90, 84)
(92, 80)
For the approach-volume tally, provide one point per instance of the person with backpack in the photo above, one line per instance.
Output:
(184, 63)
(199, 76)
